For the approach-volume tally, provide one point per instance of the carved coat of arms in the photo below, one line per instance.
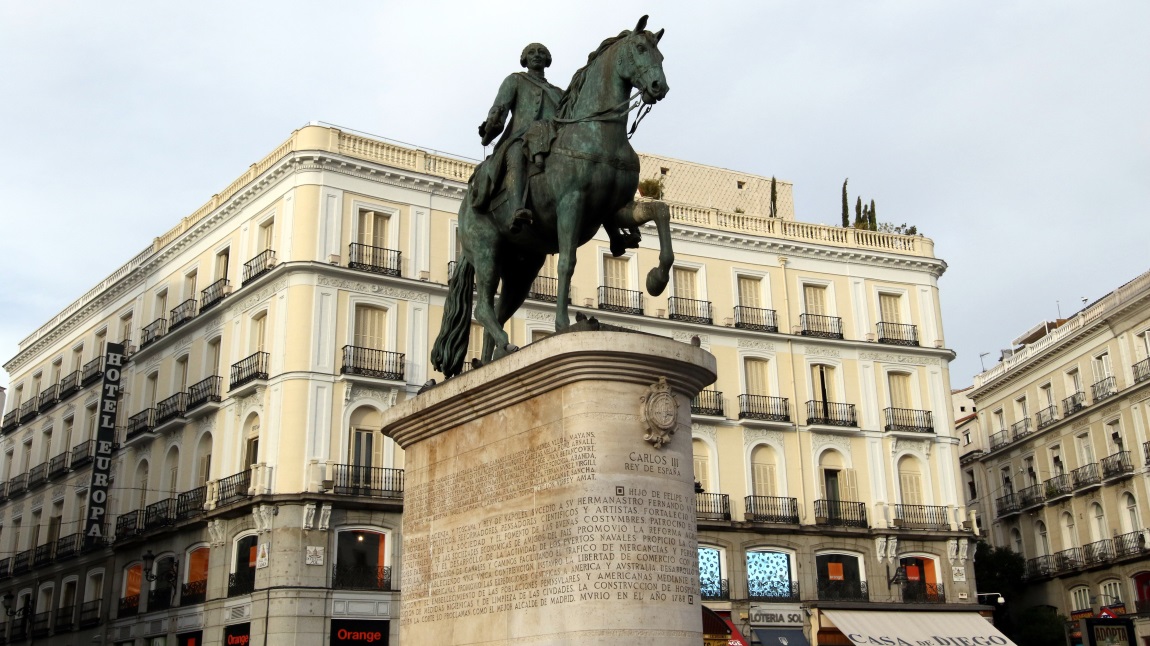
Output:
(660, 411)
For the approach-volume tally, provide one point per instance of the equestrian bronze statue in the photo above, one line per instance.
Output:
(581, 174)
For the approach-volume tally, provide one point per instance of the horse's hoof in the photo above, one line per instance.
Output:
(656, 281)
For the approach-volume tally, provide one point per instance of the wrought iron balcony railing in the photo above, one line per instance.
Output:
(11, 421)
(842, 590)
(65, 619)
(129, 606)
(17, 485)
(772, 590)
(44, 554)
(140, 423)
(258, 266)
(367, 362)
(1021, 429)
(1008, 505)
(83, 453)
(714, 589)
(354, 577)
(544, 288)
(49, 397)
(90, 613)
(70, 383)
(38, 475)
(242, 581)
(819, 326)
(772, 509)
(1130, 544)
(764, 407)
(58, 465)
(921, 516)
(1104, 388)
(22, 562)
(921, 592)
(1039, 567)
(625, 301)
(191, 503)
(213, 294)
(161, 598)
(129, 525)
(708, 402)
(92, 371)
(153, 332)
(233, 488)
(1046, 416)
(69, 546)
(1032, 496)
(203, 392)
(1058, 487)
(712, 506)
(1086, 476)
(1117, 465)
(6, 568)
(840, 513)
(181, 314)
(194, 592)
(690, 310)
(41, 624)
(29, 410)
(376, 260)
(377, 482)
(1073, 404)
(756, 318)
(909, 420)
(249, 369)
(171, 408)
(1141, 371)
(1068, 560)
(831, 413)
(1098, 552)
(160, 514)
(897, 333)
(1146, 452)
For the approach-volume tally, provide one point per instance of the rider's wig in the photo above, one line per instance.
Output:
(523, 56)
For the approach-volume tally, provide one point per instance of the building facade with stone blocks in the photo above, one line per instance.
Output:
(270, 329)
(1061, 475)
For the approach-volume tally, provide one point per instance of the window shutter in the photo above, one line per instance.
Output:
(750, 292)
(685, 283)
(615, 272)
(822, 483)
(475, 342)
(899, 390)
(756, 375)
(814, 297)
(372, 229)
(889, 310)
(548, 268)
(370, 327)
(763, 479)
(848, 485)
(703, 472)
(911, 485)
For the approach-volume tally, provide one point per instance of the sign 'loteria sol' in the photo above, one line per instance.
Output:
(105, 441)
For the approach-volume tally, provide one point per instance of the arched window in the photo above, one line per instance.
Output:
(94, 586)
(130, 594)
(362, 560)
(713, 584)
(838, 486)
(1142, 587)
(1016, 540)
(1042, 541)
(243, 576)
(840, 577)
(921, 585)
(162, 594)
(771, 576)
(140, 485)
(1111, 592)
(1080, 598)
(365, 446)
(172, 472)
(196, 576)
(764, 478)
(910, 481)
(1098, 524)
(702, 463)
(1130, 520)
(1069, 536)
(251, 441)
(204, 460)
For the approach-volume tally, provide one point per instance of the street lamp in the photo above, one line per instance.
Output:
(169, 576)
(1001, 599)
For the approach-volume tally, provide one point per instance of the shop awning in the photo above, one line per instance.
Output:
(781, 636)
(916, 628)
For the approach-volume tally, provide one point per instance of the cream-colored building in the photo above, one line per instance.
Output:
(271, 327)
(1062, 477)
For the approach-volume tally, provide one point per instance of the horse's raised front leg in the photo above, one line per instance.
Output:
(568, 215)
(638, 213)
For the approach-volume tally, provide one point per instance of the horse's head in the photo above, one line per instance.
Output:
(642, 62)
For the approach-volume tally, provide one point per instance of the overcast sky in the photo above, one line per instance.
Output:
(1015, 134)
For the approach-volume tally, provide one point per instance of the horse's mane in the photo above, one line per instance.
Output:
(571, 95)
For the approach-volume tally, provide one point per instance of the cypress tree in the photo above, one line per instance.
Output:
(873, 220)
(846, 208)
(858, 213)
(774, 199)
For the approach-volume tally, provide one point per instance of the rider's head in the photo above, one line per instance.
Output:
(535, 50)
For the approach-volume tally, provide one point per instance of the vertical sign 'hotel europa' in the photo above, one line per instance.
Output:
(105, 440)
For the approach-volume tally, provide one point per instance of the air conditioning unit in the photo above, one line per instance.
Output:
(333, 258)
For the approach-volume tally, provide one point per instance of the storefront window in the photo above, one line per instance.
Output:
(361, 561)
(712, 584)
(840, 578)
(769, 576)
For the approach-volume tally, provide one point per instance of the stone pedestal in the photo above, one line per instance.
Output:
(549, 497)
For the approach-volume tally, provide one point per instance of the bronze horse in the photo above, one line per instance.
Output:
(589, 181)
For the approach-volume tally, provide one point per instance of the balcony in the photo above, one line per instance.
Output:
(129, 525)
(821, 327)
(191, 503)
(129, 606)
(1039, 567)
(1032, 496)
(708, 402)
(58, 465)
(354, 577)
(194, 592)
(258, 266)
(69, 546)
(1103, 389)
(41, 624)
(49, 397)
(140, 423)
(755, 318)
(233, 488)
(1086, 477)
(1141, 371)
(181, 314)
(1020, 429)
(171, 408)
(843, 591)
(378, 364)
(376, 482)
(5, 568)
(22, 562)
(71, 383)
(771, 589)
(44, 554)
(772, 509)
(1068, 560)
(689, 310)
(249, 369)
(544, 288)
(831, 413)
(161, 598)
(840, 513)
(65, 619)
(1046, 416)
(11, 421)
(1008, 505)
(1098, 552)
(92, 371)
(1073, 404)
(203, 392)
(764, 408)
(38, 476)
(17, 485)
(214, 293)
(83, 453)
(909, 420)
(153, 332)
(376, 260)
(160, 514)
(919, 592)
(624, 301)
(1059, 487)
(90, 613)
(921, 517)
(1130, 544)
(29, 410)
(714, 589)
(897, 334)
(1117, 467)
(242, 581)
(712, 506)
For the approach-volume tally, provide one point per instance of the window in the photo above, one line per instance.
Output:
(150, 386)
(1080, 598)
(1021, 409)
(757, 376)
(190, 285)
(243, 576)
(1085, 449)
(763, 476)
(66, 436)
(181, 375)
(971, 487)
(77, 357)
(68, 598)
(203, 460)
(712, 573)
(822, 382)
(366, 449)
(921, 583)
(46, 445)
(57, 366)
(1098, 524)
(750, 291)
(910, 481)
(259, 332)
(1069, 536)
(999, 420)
(900, 394)
(815, 300)
(161, 308)
(362, 561)
(890, 308)
(370, 327)
(221, 266)
(141, 485)
(100, 345)
(837, 482)
(1073, 381)
(372, 229)
(1056, 460)
(267, 234)
(172, 471)
(1016, 541)
(1111, 592)
(1028, 467)
(94, 586)
(1042, 540)
(197, 570)
(1101, 365)
(615, 272)
(1114, 435)
(54, 521)
(133, 580)
(1045, 396)
(770, 576)
(840, 577)
(213, 358)
(966, 438)
(126, 327)
(1130, 519)
(474, 343)
(90, 417)
(686, 283)
(702, 464)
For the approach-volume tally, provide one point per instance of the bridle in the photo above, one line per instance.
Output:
(625, 107)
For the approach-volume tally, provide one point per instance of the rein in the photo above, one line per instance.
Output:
(620, 110)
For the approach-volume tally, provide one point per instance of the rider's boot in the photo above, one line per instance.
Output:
(517, 185)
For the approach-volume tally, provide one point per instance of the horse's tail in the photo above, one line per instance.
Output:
(450, 347)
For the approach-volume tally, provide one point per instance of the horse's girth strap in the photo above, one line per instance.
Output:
(621, 164)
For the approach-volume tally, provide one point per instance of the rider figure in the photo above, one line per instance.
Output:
(528, 97)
